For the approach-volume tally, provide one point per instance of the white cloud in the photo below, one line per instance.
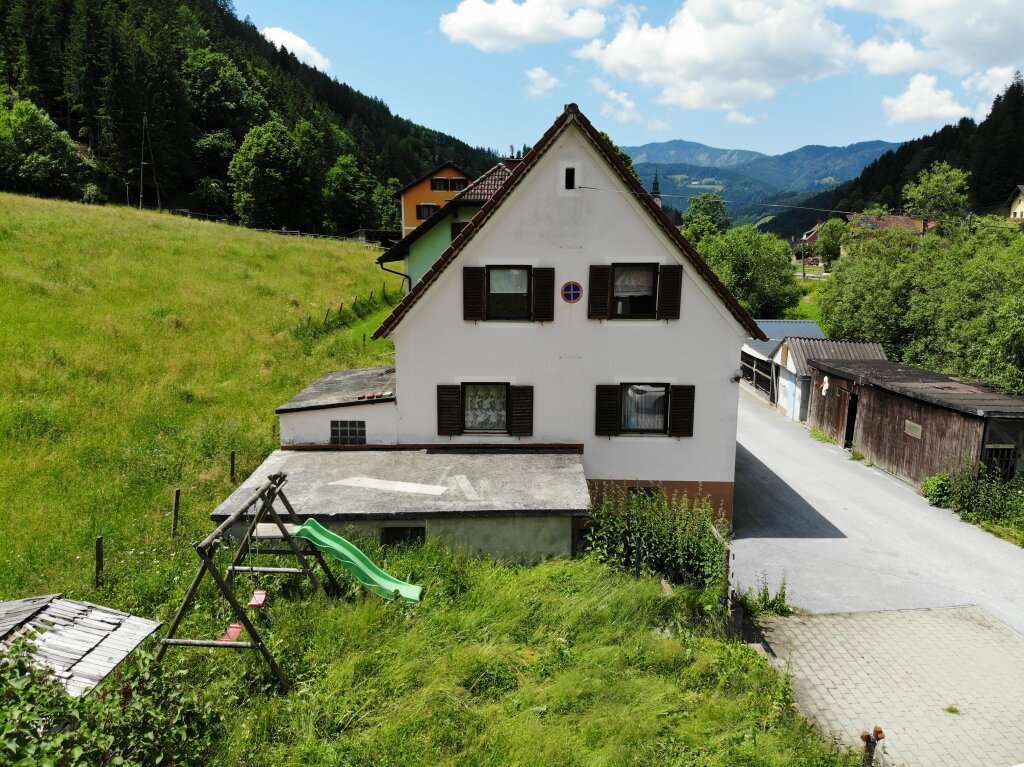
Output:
(882, 58)
(658, 126)
(718, 55)
(740, 118)
(922, 100)
(501, 25)
(618, 105)
(540, 82)
(991, 82)
(304, 50)
(951, 35)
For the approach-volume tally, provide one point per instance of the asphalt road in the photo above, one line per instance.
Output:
(851, 538)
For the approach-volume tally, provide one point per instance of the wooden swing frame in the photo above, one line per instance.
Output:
(262, 500)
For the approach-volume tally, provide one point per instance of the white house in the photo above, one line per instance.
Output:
(568, 318)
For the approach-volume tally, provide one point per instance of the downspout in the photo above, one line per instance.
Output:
(403, 275)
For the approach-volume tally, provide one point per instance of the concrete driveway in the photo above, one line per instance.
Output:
(916, 619)
(848, 538)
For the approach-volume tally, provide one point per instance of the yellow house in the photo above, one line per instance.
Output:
(1017, 204)
(422, 198)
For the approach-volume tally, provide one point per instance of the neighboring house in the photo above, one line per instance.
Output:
(420, 199)
(914, 423)
(421, 247)
(568, 337)
(1016, 204)
(757, 356)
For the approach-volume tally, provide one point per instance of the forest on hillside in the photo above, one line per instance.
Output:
(991, 151)
(224, 122)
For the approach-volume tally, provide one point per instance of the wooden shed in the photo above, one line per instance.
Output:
(914, 423)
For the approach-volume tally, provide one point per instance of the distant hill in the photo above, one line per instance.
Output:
(743, 177)
(993, 152)
(690, 153)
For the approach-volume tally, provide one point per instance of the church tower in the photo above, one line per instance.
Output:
(656, 190)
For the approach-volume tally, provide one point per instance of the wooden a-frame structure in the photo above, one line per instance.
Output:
(262, 500)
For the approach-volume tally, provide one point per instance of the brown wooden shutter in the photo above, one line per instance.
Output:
(599, 293)
(680, 406)
(449, 409)
(474, 285)
(608, 403)
(544, 295)
(670, 292)
(520, 411)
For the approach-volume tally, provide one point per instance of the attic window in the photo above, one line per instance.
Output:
(570, 178)
(439, 184)
(457, 184)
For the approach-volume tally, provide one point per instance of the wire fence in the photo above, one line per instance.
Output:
(370, 236)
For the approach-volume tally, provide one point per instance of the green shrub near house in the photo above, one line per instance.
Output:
(984, 500)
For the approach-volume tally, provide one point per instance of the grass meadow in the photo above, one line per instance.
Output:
(137, 350)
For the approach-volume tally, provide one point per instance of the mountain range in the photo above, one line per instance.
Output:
(743, 176)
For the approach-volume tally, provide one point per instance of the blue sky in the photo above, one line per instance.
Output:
(769, 75)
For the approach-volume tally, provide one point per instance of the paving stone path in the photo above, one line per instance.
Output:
(910, 671)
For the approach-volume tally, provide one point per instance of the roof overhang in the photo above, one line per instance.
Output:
(423, 484)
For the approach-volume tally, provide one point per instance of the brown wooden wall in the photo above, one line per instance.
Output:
(949, 441)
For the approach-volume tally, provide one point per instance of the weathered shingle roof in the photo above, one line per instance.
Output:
(359, 386)
(779, 329)
(926, 386)
(78, 642)
(571, 115)
(484, 187)
(804, 349)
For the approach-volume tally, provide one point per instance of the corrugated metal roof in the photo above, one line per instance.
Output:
(804, 349)
(780, 329)
(79, 642)
(926, 386)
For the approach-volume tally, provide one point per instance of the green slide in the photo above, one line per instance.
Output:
(357, 563)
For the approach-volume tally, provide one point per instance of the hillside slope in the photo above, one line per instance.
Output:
(137, 350)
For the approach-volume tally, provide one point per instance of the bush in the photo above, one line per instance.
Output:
(93, 195)
(937, 489)
(676, 535)
(987, 499)
(141, 716)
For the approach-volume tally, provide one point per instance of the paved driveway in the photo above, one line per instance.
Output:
(863, 553)
(848, 538)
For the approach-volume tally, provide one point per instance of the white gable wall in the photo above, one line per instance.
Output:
(542, 224)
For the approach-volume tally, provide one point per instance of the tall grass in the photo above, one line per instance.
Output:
(136, 351)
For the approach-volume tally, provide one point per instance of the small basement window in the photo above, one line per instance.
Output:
(457, 184)
(397, 536)
(634, 291)
(508, 293)
(485, 408)
(425, 211)
(348, 432)
(644, 408)
(570, 178)
(439, 184)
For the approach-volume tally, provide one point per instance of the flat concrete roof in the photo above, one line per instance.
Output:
(413, 484)
(359, 386)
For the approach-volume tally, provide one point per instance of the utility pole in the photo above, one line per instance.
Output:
(142, 157)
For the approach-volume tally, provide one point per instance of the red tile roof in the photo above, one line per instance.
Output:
(572, 114)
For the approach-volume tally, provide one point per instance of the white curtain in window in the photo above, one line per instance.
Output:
(634, 281)
(485, 407)
(643, 407)
(509, 281)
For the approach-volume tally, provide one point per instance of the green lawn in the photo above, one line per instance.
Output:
(809, 307)
(137, 350)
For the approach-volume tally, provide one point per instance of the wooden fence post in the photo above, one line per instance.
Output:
(99, 560)
(232, 465)
(174, 513)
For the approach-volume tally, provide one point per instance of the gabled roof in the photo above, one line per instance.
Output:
(801, 350)
(1017, 190)
(571, 115)
(432, 172)
(477, 193)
